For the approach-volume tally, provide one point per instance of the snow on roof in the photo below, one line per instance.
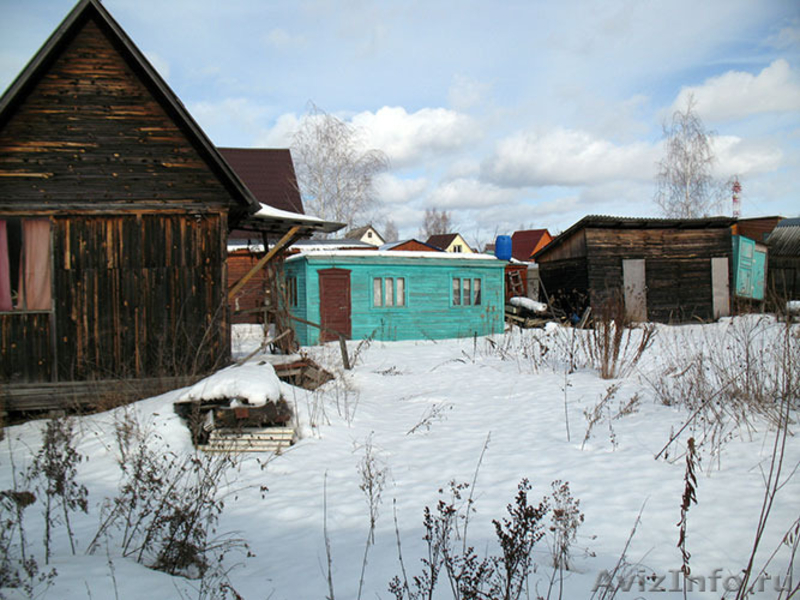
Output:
(270, 212)
(254, 381)
(395, 254)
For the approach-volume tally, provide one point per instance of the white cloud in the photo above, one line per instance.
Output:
(737, 94)
(392, 190)
(409, 138)
(567, 157)
(736, 156)
(470, 193)
(280, 135)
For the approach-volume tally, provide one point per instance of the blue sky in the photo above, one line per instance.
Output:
(508, 114)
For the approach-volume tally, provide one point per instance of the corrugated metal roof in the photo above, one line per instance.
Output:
(785, 239)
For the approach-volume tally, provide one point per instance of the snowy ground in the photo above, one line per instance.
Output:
(427, 409)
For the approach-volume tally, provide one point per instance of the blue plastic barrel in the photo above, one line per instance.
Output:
(502, 247)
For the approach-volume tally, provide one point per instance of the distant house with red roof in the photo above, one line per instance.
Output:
(411, 245)
(524, 244)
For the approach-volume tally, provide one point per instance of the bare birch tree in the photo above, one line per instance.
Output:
(390, 233)
(435, 222)
(334, 171)
(685, 184)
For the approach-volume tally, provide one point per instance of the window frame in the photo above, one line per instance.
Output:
(21, 218)
(466, 291)
(380, 283)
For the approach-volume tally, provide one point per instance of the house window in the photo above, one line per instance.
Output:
(466, 291)
(25, 271)
(291, 290)
(389, 291)
(457, 248)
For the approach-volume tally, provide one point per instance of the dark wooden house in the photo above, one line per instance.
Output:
(667, 270)
(115, 210)
(784, 261)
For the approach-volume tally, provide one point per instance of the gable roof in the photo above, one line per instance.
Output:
(87, 10)
(356, 233)
(411, 243)
(523, 243)
(442, 240)
(268, 173)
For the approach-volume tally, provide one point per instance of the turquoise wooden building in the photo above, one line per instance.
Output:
(749, 268)
(395, 295)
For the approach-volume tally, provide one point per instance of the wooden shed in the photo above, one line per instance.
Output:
(784, 260)
(114, 217)
(667, 270)
(395, 295)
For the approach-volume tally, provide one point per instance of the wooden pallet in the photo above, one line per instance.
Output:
(266, 439)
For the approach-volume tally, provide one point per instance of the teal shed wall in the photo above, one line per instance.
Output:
(749, 268)
(429, 312)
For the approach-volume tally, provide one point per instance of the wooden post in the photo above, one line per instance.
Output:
(284, 241)
(343, 348)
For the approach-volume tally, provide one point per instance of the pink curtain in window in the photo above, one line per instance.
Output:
(5, 272)
(36, 288)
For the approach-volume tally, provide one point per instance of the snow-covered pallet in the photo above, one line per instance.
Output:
(267, 439)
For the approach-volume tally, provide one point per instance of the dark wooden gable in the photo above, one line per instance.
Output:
(90, 122)
(139, 203)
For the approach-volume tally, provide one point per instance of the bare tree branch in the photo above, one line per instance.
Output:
(435, 223)
(335, 173)
(686, 187)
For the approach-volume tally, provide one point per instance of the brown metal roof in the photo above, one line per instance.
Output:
(269, 175)
(442, 240)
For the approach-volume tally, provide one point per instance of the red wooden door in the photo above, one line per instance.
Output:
(334, 302)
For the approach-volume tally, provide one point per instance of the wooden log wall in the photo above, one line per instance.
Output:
(566, 283)
(677, 267)
(784, 278)
(140, 295)
(26, 348)
(90, 132)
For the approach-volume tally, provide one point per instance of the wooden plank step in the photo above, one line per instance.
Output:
(253, 433)
(243, 446)
(268, 439)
